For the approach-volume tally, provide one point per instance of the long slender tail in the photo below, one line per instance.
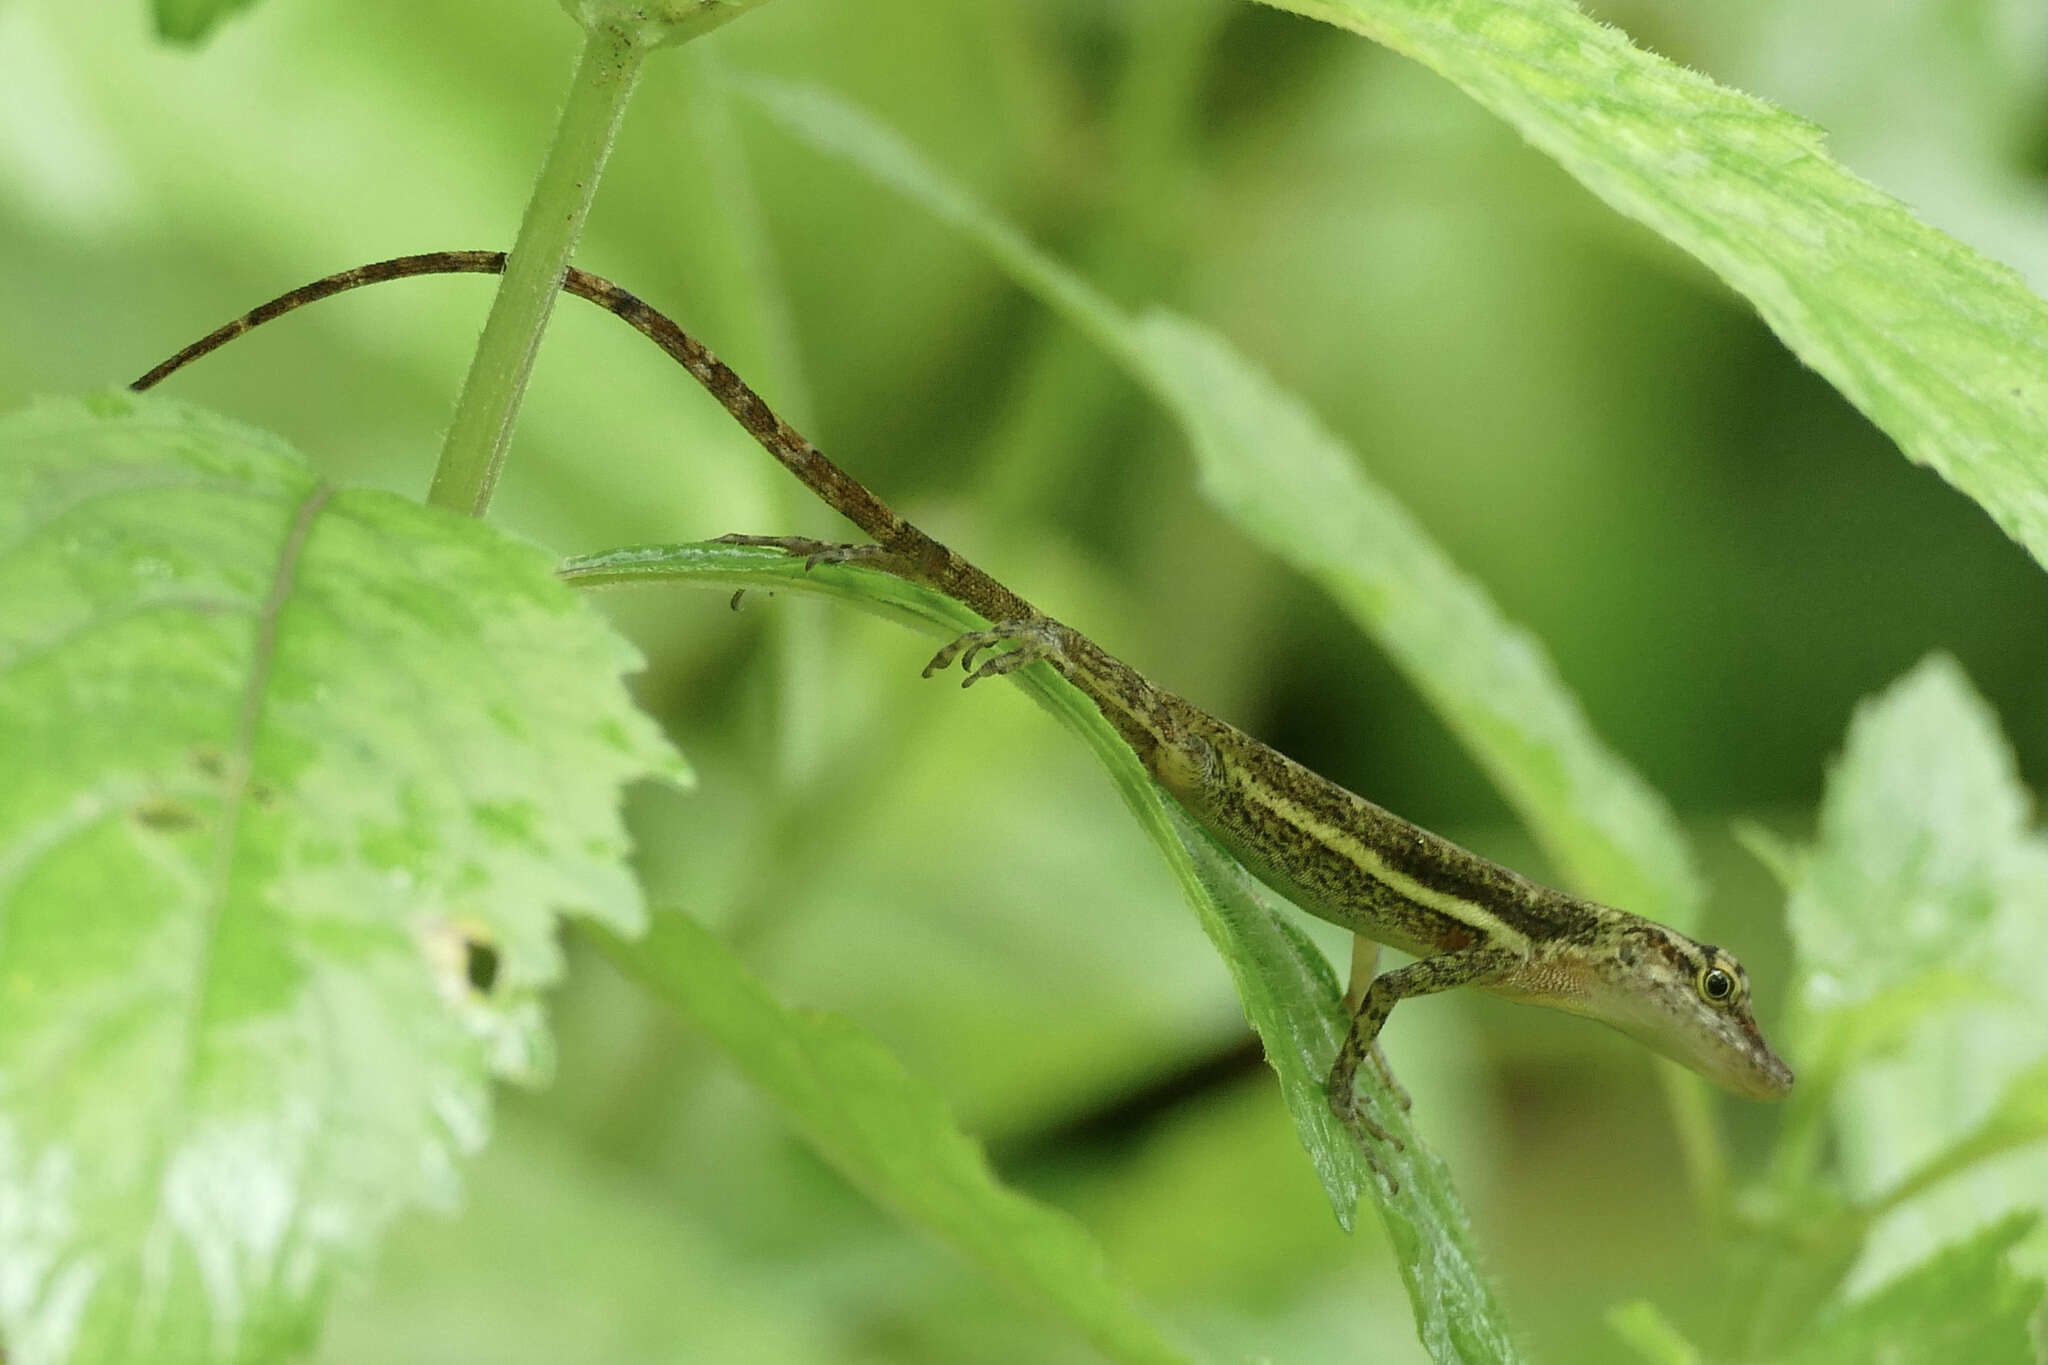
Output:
(926, 560)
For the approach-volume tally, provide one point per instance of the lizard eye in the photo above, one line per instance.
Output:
(1716, 985)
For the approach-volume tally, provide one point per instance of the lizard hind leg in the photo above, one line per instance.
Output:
(1033, 639)
(816, 552)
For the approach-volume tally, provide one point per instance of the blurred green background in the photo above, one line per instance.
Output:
(1721, 555)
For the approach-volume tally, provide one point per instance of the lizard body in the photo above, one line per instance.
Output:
(1468, 921)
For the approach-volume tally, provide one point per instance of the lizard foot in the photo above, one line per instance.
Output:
(1369, 1134)
(1034, 640)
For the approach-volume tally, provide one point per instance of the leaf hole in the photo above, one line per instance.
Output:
(480, 963)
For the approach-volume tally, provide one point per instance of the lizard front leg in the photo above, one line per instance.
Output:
(1445, 971)
(1365, 965)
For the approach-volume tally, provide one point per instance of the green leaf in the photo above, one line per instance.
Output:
(1924, 857)
(1920, 905)
(189, 21)
(1296, 1004)
(1965, 1304)
(1276, 471)
(1287, 990)
(888, 1133)
(1944, 349)
(297, 780)
(2018, 1119)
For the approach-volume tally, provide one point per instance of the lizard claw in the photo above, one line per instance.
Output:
(1031, 640)
(999, 664)
(1370, 1134)
(1368, 1131)
(947, 653)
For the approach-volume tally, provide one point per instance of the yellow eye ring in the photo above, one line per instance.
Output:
(1716, 985)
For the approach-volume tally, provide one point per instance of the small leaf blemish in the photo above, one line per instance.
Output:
(166, 816)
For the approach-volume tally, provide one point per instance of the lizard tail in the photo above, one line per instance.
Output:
(928, 561)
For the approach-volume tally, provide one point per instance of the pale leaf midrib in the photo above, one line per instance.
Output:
(234, 798)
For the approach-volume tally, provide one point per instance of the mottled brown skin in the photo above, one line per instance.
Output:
(1468, 921)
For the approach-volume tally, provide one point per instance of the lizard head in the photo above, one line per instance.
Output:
(1690, 1001)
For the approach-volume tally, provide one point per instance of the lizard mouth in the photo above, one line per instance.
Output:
(1750, 1068)
(1768, 1078)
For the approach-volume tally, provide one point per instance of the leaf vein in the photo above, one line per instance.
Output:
(240, 764)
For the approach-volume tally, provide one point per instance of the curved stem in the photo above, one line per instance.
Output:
(481, 429)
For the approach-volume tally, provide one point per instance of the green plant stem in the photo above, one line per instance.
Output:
(1699, 1141)
(474, 453)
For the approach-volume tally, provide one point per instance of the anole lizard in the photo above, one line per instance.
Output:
(1467, 921)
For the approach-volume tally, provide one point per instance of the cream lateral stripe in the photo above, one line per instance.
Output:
(1338, 841)
(1362, 857)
